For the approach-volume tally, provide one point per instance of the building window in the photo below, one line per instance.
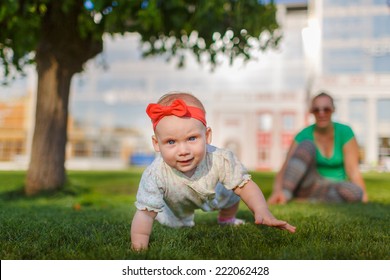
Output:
(383, 120)
(9, 149)
(263, 156)
(384, 147)
(347, 60)
(381, 26)
(80, 149)
(381, 64)
(358, 122)
(265, 122)
(288, 129)
(383, 117)
(348, 27)
(288, 122)
(357, 119)
(264, 140)
(234, 146)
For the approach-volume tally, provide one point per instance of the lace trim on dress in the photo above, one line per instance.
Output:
(147, 208)
(246, 179)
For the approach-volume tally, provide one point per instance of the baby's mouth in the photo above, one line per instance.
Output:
(186, 161)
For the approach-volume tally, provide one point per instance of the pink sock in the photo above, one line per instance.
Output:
(227, 220)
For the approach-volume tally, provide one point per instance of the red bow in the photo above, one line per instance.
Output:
(178, 108)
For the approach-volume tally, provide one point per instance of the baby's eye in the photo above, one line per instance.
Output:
(171, 142)
(192, 138)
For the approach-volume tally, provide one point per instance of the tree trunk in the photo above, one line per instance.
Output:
(61, 52)
(47, 171)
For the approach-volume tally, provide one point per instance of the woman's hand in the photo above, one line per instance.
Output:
(365, 197)
(277, 197)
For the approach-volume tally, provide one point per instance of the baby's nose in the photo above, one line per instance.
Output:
(183, 149)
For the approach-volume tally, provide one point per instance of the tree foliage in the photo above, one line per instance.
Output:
(59, 37)
(205, 28)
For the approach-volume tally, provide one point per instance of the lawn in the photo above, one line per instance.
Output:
(90, 219)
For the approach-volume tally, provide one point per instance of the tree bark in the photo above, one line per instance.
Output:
(47, 165)
(61, 52)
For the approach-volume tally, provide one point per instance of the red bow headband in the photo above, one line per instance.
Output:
(178, 108)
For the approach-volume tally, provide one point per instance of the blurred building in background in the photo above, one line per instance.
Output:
(13, 128)
(354, 65)
(258, 117)
(255, 109)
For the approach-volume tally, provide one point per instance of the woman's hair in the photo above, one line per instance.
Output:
(188, 98)
(323, 94)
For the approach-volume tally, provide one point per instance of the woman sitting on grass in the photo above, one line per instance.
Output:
(322, 163)
(191, 174)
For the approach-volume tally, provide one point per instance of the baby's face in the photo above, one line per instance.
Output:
(181, 142)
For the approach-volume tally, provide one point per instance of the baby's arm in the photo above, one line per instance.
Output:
(254, 199)
(141, 228)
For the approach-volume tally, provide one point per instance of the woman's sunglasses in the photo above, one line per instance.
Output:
(326, 110)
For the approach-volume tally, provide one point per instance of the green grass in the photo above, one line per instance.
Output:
(90, 219)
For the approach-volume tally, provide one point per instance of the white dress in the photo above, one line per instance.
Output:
(175, 196)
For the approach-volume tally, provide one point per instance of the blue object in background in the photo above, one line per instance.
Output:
(141, 159)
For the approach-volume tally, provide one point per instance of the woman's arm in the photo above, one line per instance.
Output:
(141, 228)
(351, 164)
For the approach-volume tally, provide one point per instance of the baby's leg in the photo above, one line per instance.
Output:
(228, 213)
(227, 216)
(227, 203)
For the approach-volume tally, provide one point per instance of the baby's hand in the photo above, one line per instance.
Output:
(271, 221)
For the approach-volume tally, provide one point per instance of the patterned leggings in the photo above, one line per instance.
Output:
(302, 180)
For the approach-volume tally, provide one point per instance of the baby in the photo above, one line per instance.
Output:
(191, 174)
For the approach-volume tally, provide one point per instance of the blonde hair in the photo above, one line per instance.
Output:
(190, 99)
